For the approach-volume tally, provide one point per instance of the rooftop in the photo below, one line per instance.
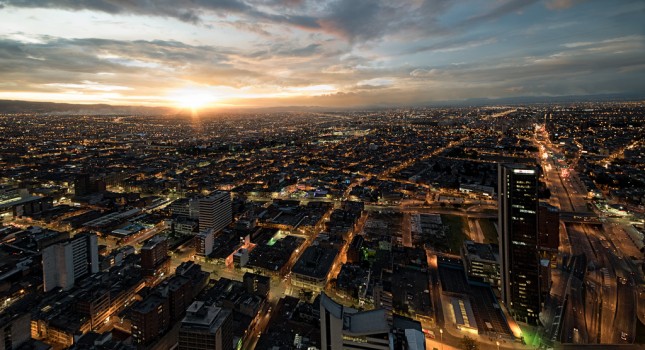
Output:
(202, 316)
(152, 242)
(315, 261)
(479, 251)
(357, 322)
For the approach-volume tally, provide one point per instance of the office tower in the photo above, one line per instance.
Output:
(154, 255)
(187, 207)
(82, 185)
(548, 228)
(150, 319)
(204, 242)
(67, 261)
(346, 328)
(518, 241)
(215, 211)
(548, 243)
(206, 328)
(15, 330)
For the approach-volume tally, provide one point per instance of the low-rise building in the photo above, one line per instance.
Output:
(312, 269)
(481, 262)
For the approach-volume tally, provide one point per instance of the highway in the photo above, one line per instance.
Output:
(623, 327)
(567, 191)
(574, 328)
(601, 281)
(602, 297)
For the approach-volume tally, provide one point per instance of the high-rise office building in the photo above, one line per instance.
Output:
(346, 328)
(206, 328)
(548, 243)
(518, 240)
(215, 211)
(204, 242)
(15, 330)
(150, 319)
(548, 228)
(82, 185)
(154, 256)
(67, 261)
(187, 207)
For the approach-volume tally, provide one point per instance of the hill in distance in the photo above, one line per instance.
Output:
(51, 108)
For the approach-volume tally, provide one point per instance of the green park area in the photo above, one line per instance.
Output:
(456, 231)
(489, 230)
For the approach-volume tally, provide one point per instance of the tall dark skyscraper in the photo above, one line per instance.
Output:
(518, 240)
(82, 185)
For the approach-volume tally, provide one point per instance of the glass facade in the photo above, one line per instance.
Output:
(518, 207)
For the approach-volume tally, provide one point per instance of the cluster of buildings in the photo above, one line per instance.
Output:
(604, 144)
(249, 232)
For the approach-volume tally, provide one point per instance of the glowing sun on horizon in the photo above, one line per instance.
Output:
(193, 99)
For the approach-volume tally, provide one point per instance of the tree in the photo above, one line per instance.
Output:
(468, 343)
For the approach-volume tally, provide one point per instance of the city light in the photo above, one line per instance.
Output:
(322, 174)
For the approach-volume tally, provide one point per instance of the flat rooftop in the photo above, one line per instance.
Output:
(315, 262)
(202, 316)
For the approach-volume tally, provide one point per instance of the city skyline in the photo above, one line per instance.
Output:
(504, 227)
(233, 53)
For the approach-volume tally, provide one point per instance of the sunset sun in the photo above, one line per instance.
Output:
(193, 99)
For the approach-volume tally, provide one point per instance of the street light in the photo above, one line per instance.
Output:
(441, 334)
(497, 342)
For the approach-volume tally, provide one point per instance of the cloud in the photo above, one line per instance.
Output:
(561, 4)
(140, 67)
(190, 11)
(515, 89)
(509, 6)
(363, 20)
(423, 73)
(355, 20)
(633, 41)
(453, 45)
(282, 50)
(376, 83)
(142, 64)
(89, 85)
(117, 71)
(352, 51)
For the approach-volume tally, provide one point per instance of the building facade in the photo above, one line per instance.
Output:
(481, 262)
(548, 228)
(215, 211)
(518, 241)
(67, 261)
(346, 328)
(206, 328)
(15, 330)
(154, 256)
(204, 242)
(150, 320)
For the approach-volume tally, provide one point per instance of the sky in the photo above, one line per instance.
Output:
(342, 53)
